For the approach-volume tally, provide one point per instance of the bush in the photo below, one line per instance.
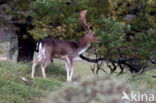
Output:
(108, 89)
(105, 90)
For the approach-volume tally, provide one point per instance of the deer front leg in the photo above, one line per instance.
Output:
(70, 69)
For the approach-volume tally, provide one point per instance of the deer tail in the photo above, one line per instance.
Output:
(38, 46)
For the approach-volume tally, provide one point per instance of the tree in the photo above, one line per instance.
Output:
(15, 14)
(126, 28)
(124, 42)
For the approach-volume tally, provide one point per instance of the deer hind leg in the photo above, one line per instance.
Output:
(36, 61)
(43, 67)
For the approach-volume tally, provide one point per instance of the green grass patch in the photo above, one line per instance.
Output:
(14, 90)
(142, 82)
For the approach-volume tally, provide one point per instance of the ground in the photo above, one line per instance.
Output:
(13, 90)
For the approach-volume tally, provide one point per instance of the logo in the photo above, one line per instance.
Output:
(125, 96)
(138, 97)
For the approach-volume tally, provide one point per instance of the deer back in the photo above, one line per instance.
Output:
(56, 48)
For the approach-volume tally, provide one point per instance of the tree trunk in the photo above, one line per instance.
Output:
(26, 43)
(26, 49)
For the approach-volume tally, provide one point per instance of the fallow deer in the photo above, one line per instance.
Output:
(64, 49)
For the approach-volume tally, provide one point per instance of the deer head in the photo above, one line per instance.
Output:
(90, 34)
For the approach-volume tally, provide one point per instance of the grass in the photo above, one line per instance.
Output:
(13, 90)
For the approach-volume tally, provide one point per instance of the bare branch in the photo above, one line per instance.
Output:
(25, 80)
(91, 60)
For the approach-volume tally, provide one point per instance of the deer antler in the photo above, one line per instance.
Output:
(83, 19)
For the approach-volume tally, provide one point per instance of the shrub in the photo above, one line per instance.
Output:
(105, 90)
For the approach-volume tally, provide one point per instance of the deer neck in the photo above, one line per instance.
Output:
(83, 45)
